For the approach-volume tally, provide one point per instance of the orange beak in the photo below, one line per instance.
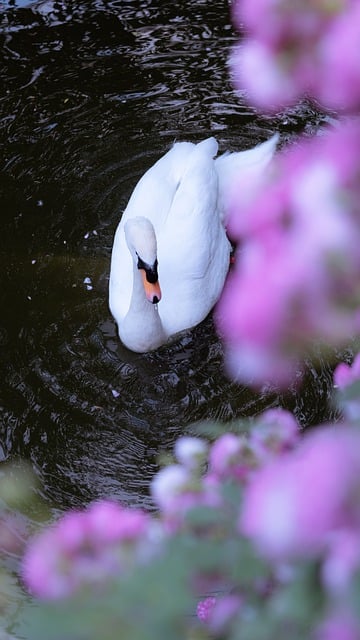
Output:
(152, 289)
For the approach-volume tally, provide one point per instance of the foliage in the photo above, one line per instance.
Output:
(262, 528)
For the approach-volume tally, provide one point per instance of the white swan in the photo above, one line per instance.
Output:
(171, 236)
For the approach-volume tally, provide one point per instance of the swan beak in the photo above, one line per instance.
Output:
(152, 289)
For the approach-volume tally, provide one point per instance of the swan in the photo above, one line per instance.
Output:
(171, 254)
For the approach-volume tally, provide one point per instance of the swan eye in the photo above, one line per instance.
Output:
(150, 270)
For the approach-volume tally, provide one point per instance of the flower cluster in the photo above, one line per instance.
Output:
(294, 48)
(346, 374)
(182, 486)
(296, 277)
(306, 505)
(300, 502)
(86, 547)
(293, 499)
(305, 502)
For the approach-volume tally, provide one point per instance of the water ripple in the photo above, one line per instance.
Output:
(92, 94)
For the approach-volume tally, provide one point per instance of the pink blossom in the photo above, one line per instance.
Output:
(41, 568)
(83, 547)
(292, 49)
(223, 612)
(108, 522)
(296, 272)
(338, 84)
(190, 452)
(268, 84)
(253, 365)
(204, 608)
(280, 21)
(237, 457)
(168, 484)
(176, 490)
(345, 374)
(342, 560)
(294, 505)
(231, 456)
(340, 624)
(275, 432)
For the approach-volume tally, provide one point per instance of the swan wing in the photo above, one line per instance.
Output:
(155, 191)
(151, 198)
(193, 250)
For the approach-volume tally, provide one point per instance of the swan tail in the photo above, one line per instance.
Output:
(245, 165)
(183, 159)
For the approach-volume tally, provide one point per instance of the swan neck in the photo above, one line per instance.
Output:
(141, 329)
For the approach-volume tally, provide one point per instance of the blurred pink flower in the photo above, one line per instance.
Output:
(281, 21)
(294, 49)
(41, 568)
(168, 484)
(338, 83)
(108, 522)
(296, 274)
(293, 506)
(342, 560)
(83, 548)
(204, 608)
(339, 625)
(275, 431)
(256, 69)
(231, 457)
(177, 489)
(345, 374)
(190, 452)
(223, 613)
(218, 613)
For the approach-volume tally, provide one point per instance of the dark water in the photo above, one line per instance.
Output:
(91, 94)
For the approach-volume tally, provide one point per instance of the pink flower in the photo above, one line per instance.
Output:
(176, 490)
(84, 547)
(190, 452)
(41, 568)
(168, 484)
(275, 432)
(256, 69)
(297, 49)
(295, 278)
(108, 522)
(339, 625)
(280, 21)
(204, 608)
(338, 82)
(345, 374)
(342, 560)
(237, 457)
(231, 456)
(223, 613)
(294, 505)
(218, 613)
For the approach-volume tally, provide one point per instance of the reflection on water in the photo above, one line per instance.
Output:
(92, 94)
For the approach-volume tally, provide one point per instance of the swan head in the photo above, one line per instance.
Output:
(141, 240)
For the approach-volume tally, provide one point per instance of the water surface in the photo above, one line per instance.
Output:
(92, 93)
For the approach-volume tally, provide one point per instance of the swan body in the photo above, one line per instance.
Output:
(170, 254)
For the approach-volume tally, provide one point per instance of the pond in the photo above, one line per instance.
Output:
(92, 93)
